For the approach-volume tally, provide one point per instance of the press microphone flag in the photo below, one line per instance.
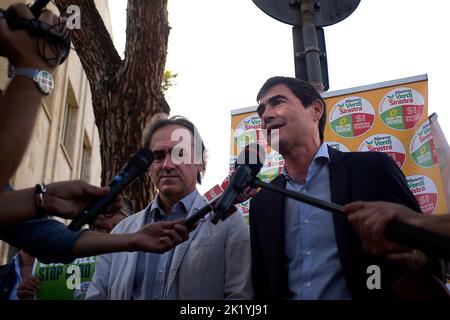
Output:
(137, 164)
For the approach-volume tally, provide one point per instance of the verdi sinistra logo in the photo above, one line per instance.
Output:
(385, 143)
(351, 117)
(402, 108)
(425, 192)
(422, 149)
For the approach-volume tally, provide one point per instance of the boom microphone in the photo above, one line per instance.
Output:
(430, 242)
(137, 164)
(248, 164)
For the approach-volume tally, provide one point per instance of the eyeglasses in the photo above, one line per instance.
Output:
(114, 210)
(160, 155)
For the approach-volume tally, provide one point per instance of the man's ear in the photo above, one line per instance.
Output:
(201, 168)
(317, 108)
(200, 171)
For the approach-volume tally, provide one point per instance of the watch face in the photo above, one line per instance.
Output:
(45, 81)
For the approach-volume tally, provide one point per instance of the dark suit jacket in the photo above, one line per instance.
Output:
(368, 176)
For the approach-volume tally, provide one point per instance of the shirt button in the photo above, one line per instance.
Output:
(308, 284)
(308, 253)
(307, 221)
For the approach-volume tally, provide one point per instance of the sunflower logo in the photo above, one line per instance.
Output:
(393, 113)
(343, 121)
(423, 150)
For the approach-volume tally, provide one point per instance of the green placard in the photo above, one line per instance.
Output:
(59, 281)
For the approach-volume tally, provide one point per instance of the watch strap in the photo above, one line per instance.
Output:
(39, 191)
(43, 78)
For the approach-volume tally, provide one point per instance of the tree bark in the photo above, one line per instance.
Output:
(125, 93)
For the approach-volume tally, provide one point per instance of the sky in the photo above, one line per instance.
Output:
(223, 51)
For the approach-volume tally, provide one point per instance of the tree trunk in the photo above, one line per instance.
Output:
(125, 93)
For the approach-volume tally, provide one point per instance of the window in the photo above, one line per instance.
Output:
(68, 135)
(85, 170)
(3, 252)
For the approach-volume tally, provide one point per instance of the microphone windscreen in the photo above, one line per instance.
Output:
(245, 195)
(143, 158)
(139, 162)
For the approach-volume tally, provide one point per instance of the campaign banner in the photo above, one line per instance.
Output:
(59, 281)
(443, 155)
(389, 117)
(400, 128)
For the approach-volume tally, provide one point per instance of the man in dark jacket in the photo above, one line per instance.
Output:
(300, 251)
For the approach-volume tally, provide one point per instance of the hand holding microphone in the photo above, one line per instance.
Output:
(36, 8)
(389, 228)
(20, 23)
(137, 164)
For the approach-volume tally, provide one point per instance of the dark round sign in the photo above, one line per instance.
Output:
(326, 13)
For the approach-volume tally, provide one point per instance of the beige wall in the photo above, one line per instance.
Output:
(46, 159)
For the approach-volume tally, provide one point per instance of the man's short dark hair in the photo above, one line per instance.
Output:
(161, 120)
(303, 90)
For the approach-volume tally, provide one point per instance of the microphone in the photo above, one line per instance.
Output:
(248, 164)
(37, 6)
(34, 29)
(430, 242)
(137, 164)
(197, 215)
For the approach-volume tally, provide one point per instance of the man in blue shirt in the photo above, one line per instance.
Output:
(300, 251)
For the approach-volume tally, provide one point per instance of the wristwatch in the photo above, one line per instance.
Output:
(43, 79)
